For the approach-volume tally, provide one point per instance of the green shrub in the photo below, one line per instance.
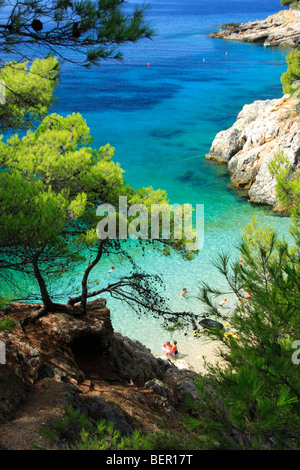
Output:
(107, 438)
(286, 2)
(295, 6)
(7, 324)
(75, 432)
(293, 72)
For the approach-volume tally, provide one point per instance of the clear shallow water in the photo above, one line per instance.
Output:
(162, 119)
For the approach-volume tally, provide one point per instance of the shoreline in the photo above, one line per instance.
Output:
(197, 354)
(261, 129)
(279, 30)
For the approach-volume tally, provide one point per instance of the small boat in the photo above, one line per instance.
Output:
(210, 325)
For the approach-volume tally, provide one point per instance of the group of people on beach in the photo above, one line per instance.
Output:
(170, 349)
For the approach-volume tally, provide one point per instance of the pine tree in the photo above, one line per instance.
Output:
(52, 182)
(293, 72)
(27, 93)
(259, 388)
(258, 392)
(288, 183)
(85, 31)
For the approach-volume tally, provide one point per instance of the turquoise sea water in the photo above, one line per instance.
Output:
(162, 119)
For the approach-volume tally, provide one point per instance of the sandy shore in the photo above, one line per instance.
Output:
(195, 354)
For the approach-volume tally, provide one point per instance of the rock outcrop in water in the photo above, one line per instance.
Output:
(281, 29)
(261, 129)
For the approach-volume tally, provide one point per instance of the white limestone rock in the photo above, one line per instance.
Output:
(261, 129)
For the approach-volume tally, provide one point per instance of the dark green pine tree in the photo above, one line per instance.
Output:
(293, 72)
(257, 394)
(51, 183)
(84, 31)
(252, 400)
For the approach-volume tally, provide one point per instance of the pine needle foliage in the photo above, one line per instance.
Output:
(259, 388)
(81, 31)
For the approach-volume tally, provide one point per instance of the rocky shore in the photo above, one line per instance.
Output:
(281, 30)
(261, 129)
(81, 362)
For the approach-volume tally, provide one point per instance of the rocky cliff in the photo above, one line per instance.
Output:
(281, 29)
(261, 129)
(81, 362)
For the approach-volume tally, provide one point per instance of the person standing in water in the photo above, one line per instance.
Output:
(167, 348)
(174, 349)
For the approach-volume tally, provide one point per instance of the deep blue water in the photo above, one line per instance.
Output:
(162, 119)
(167, 114)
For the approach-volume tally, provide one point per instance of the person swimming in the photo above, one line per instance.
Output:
(185, 293)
